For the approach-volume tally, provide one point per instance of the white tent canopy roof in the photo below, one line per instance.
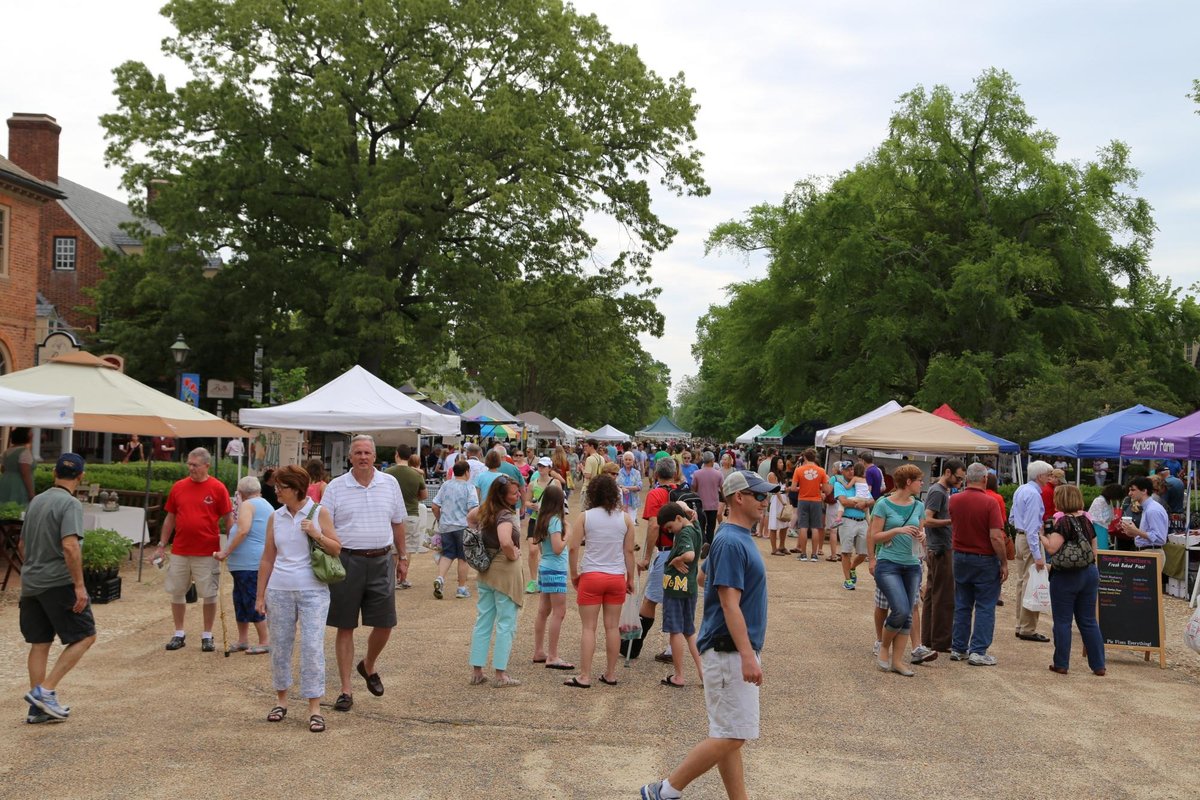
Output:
(911, 430)
(570, 434)
(890, 407)
(353, 401)
(748, 436)
(109, 401)
(609, 434)
(492, 410)
(36, 410)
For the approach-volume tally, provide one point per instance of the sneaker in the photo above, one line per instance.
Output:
(793, 535)
(531, 587)
(652, 791)
(981, 660)
(921, 654)
(438, 583)
(854, 575)
(403, 584)
(957, 656)
(875, 649)
(46, 702)
(462, 592)
(848, 585)
(176, 643)
(207, 645)
(816, 559)
(802, 557)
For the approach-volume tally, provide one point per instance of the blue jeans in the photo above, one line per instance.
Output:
(901, 585)
(976, 590)
(1073, 595)
(498, 609)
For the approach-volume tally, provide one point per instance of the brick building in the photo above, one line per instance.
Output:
(75, 229)
(23, 201)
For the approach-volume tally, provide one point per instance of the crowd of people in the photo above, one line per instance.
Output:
(938, 554)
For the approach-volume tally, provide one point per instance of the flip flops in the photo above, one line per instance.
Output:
(257, 650)
(560, 665)
(668, 682)
(575, 683)
(607, 682)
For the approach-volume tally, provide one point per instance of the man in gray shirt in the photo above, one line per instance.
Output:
(937, 617)
(54, 600)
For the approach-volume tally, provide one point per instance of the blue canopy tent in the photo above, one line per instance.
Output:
(1005, 445)
(1100, 438)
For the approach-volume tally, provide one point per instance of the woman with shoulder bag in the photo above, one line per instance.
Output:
(500, 589)
(780, 511)
(1074, 581)
(290, 591)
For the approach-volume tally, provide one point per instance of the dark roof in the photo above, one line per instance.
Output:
(13, 174)
(101, 216)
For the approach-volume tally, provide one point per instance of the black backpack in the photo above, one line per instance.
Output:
(683, 494)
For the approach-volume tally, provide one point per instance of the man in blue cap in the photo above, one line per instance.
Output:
(730, 640)
(54, 601)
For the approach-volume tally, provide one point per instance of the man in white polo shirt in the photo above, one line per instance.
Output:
(368, 513)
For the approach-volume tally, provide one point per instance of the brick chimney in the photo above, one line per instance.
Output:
(33, 144)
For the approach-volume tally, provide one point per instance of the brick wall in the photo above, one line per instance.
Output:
(65, 288)
(18, 289)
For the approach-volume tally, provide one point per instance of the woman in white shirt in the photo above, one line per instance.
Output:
(604, 578)
(288, 588)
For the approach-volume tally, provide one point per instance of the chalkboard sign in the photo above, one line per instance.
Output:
(1130, 605)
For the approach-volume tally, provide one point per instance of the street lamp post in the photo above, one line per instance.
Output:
(179, 352)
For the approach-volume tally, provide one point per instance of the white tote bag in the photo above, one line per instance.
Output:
(1037, 590)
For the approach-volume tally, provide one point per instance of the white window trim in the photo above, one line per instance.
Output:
(74, 253)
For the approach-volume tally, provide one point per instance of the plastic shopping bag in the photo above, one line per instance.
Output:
(1037, 590)
(630, 625)
(1191, 631)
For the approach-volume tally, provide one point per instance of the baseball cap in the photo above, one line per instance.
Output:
(745, 481)
(69, 465)
(841, 465)
(544, 461)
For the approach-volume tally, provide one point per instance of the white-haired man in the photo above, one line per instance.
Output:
(1026, 517)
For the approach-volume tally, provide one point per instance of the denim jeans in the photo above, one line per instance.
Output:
(976, 590)
(901, 584)
(286, 609)
(497, 609)
(1073, 595)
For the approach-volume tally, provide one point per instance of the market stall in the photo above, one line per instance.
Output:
(911, 430)
(608, 433)
(1100, 437)
(749, 436)
(822, 437)
(662, 429)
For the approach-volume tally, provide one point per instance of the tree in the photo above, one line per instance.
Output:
(381, 171)
(960, 261)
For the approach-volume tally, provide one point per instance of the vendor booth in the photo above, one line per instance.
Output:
(749, 436)
(662, 429)
(570, 433)
(609, 434)
(911, 430)
(822, 437)
(1007, 448)
(1101, 437)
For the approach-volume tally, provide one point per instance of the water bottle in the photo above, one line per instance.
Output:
(918, 549)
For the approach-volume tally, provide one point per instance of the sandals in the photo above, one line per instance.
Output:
(316, 724)
(277, 714)
(505, 682)
(237, 647)
(560, 665)
(607, 682)
(575, 683)
(257, 650)
(539, 661)
(478, 680)
(668, 682)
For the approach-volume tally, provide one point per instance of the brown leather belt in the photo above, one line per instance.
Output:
(378, 551)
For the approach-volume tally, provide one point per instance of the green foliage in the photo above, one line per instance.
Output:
(104, 549)
(289, 385)
(392, 178)
(1089, 491)
(132, 477)
(959, 262)
(11, 510)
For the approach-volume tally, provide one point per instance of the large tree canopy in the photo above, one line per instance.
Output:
(382, 171)
(960, 262)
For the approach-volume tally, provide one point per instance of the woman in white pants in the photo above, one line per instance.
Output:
(289, 591)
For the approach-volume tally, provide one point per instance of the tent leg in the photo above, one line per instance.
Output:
(145, 516)
(1078, 470)
(1121, 471)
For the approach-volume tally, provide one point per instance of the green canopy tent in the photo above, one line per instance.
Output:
(663, 428)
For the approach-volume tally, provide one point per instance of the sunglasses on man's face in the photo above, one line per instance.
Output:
(759, 496)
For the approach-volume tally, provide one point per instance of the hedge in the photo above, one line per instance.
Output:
(132, 477)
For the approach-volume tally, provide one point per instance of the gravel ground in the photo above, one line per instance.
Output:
(148, 723)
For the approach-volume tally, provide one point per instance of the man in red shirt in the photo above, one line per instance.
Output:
(980, 566)
(1057, 478)
(195, 508)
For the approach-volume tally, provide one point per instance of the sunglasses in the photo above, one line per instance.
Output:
(759, 496)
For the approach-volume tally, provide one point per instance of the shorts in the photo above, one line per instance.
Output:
(654, 582)
(412, 533)
(553, 581)
(245, 590)
(183, 571)
(810, 514)
(833, 515)
(852, 536)
(369, 587)
(881, 601)
(732, 704)
(600, 588)
(50, 613)
(532, 525)
(679, 615)
(452, 544)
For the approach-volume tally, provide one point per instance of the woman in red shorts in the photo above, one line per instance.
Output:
(604, 577)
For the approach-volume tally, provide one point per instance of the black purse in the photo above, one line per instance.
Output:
(1076, 552)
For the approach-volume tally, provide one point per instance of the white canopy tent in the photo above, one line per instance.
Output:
(570, 434)
(609, 434)
(822, 437)
(34, 410)
(354, 401)
(490, 411)
(748, 436)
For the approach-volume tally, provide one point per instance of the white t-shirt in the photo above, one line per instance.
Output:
(605, 536)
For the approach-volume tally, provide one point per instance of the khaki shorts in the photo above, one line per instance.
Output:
(412, 533)
(853, 536)
(732, 703)
(183, 571)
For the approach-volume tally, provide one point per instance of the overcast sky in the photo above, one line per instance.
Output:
(785, 92)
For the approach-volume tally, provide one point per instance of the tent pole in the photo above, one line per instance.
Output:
(145, 516)
(1078, 470)
(1120, 470)
(68, 440)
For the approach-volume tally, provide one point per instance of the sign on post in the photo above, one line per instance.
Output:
(189, 388)
(220, 390)
(1130, 606)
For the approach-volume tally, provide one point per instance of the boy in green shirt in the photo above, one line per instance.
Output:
(681, 578)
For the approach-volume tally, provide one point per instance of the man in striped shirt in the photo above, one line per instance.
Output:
(369, 514)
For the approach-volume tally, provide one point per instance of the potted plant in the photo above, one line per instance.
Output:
(103, 552)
